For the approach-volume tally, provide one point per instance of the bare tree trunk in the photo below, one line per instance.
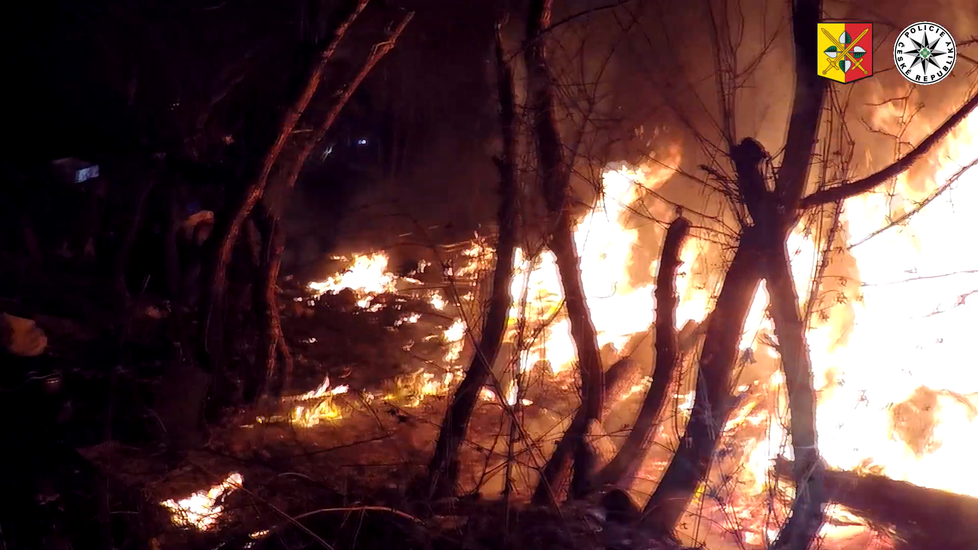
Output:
(551, 485)
(265, 301)
(443, 469)
(228, 224)
(774, 216)
(713, 401)
(620, 471)
(555, 176)
(806, 512)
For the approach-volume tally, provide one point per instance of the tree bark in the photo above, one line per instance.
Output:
(228, 224)
(442, 474)
(807, 515)
(774, 216)
(552, 479)
(620, 471)
(555, 178)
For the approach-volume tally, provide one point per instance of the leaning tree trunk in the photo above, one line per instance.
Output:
(555, 176)
(620, 471)
(807, 510)
(773, 215)
(713, 402)
(228, 225)
(443, 470)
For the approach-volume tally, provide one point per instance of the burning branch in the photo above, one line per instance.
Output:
(622, 467)
(907, 215)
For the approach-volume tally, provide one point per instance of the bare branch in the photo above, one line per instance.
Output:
(846, 190)
(225, 235)
(906, 216)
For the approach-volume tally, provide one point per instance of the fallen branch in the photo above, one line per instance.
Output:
(924, 518)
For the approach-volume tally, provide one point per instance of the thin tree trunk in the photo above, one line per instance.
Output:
(773, 216)
(228, 225)
(443, 469)
(273, 233)
(552, 480)
(555, 176)
(265, 301)
(713, 401)
(620, 471)
(806, 511)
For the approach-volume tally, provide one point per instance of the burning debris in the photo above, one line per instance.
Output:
(203, 509)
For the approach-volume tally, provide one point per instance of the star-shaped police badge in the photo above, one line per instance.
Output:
(924, 53)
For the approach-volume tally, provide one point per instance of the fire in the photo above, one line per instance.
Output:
(201, 509)
(897, 384)
(619, 310)
(317, 405)
(912, 341)
(367, 276)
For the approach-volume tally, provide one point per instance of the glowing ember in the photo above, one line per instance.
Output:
(437, 301)
(200, 510)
